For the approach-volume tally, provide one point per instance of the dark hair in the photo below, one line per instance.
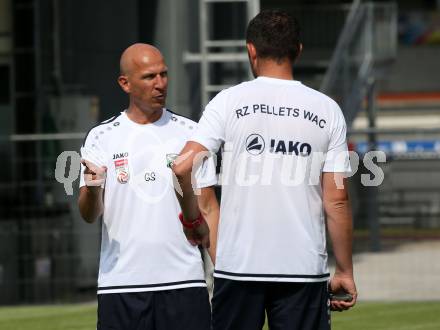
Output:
(275, 34)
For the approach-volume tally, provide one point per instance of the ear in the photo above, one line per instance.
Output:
(251, 51)
(124, 83)
(300, 49)
(253, 60)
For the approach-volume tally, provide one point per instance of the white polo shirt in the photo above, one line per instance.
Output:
(279, 137)
(143, 246)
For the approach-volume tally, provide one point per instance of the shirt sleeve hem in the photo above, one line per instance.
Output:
(204, 142)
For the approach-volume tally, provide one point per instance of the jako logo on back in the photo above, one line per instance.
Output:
(255, 145)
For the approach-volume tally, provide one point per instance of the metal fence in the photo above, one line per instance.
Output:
(397, 224)
(48, 254)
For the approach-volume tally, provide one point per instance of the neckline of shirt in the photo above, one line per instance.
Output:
(161, 119)
(278, 81)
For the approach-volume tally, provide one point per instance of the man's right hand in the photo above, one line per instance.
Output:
(90, 196)
(94, 176)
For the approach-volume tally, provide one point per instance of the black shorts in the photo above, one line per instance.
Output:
(187, 309)
(289, 306)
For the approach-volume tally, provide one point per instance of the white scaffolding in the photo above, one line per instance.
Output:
(207, 56)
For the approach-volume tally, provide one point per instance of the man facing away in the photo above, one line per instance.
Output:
(150, 276)
(284, 159)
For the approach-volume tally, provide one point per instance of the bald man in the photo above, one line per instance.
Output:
(150, 275)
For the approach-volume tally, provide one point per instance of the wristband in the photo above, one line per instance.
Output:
(192, 224)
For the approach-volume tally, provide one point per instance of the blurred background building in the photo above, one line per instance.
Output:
(58, 68)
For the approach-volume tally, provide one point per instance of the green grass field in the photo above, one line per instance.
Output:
(366, 316)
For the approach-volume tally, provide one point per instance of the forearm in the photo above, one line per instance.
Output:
(340, 228)
(213, 229)
(210, 210)
(90, 203)
(188, 202)
(183, 168)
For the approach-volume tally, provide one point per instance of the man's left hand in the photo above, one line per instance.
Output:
(199, 235)
(341, 283)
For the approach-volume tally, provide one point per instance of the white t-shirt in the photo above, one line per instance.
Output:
(279, 136)
(143, 246)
